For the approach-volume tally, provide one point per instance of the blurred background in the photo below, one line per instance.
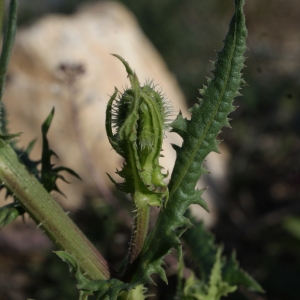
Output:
(258, 213)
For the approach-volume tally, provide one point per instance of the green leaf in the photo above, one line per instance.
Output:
(202, 246)
(217, 286)
(236, 276)
(137, 293)
(199, 139)
(102, 289)
(9, 213)
(9, 137)
(49, 173)
(214, 289)
(292, 225)
(203, 249)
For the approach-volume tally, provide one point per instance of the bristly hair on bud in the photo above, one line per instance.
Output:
(168, 112)
(122, 102)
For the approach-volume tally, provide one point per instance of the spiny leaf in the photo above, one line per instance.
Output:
(9, 137)
(199, 139)
(137, 293)
(236, 276)
(9, 213)
(214, 289)
(217, 287)
(203, 250)
(102, 289)
(27, 161)
(49, 174)
(202, 246)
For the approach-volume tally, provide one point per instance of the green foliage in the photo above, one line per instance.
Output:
(217, 286)
(135, 123)
(139, 118)
(103, 288)
(48, 175)
(213, 290)
(234, 275)
(199, 138)
(9, 213)
(204, 251)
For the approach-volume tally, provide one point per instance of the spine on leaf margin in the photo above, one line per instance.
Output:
(199, 139)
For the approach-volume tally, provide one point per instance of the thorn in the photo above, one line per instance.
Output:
(39, 225)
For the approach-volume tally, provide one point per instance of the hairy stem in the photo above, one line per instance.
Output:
(49, 216)
(140, 228)
(139, 233)
(141, 221)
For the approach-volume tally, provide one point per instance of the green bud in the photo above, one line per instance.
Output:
(135, 123)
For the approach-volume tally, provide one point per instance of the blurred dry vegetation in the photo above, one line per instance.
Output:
(260, 214)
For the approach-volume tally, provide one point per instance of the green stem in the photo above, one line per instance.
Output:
(138, 237)
(47, 213)
(1, 15)
(140, 229)
(140, 220)
(8, 40)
